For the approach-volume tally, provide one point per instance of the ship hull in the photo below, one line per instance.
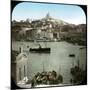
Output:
(40, 50)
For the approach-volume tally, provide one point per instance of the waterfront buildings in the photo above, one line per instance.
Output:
(19, 66)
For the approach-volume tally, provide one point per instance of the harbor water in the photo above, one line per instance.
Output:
(57, 60)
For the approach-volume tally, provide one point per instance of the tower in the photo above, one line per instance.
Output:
(48, 16)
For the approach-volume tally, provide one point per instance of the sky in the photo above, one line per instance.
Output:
(69, 13)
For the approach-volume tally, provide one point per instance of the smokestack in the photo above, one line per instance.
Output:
(20, 49)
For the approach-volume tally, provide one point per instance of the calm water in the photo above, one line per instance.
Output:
(57, 60)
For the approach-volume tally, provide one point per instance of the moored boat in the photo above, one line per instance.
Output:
(71, 55)
(40, 50)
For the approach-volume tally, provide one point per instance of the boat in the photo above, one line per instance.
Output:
(71, 55)
(40, 50)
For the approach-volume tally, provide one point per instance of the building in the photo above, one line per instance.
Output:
(18, 66)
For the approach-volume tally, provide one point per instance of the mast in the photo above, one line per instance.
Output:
(59, 69)
(43, 67)
(78, 63)
(45, 43)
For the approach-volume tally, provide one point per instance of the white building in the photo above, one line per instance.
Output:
(19, 66)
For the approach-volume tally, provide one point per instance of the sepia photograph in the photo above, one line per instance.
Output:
(48, 44)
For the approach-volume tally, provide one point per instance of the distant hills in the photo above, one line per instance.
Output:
(48, 28)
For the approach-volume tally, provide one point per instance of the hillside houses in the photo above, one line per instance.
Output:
(48, 29)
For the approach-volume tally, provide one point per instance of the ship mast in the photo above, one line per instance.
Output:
(43, 67)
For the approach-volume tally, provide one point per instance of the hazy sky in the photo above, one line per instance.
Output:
(69, 13)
